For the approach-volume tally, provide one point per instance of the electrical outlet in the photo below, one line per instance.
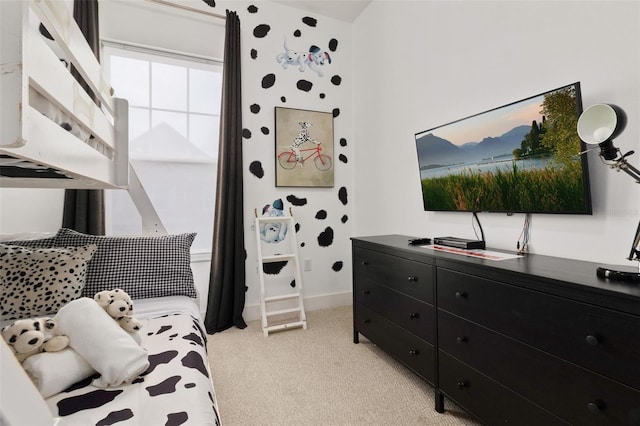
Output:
(307, 264)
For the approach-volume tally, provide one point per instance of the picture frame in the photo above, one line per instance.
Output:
(304, 153)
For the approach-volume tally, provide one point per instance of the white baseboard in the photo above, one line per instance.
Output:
(313, 303)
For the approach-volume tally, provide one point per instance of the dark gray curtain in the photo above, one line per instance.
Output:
(227, 276)
(84, 208)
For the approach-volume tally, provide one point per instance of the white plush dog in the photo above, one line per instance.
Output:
(291, 57)
(119, 306)
(29, 337)
(317, 58)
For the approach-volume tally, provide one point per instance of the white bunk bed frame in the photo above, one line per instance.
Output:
(39, 93)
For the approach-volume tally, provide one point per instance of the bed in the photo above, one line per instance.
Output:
(175, 385)
(52, 133)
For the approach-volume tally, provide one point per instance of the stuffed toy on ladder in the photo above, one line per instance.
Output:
(275, 230)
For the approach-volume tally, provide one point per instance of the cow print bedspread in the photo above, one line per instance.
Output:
(175, 390)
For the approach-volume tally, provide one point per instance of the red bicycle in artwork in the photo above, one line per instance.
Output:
(288, 160)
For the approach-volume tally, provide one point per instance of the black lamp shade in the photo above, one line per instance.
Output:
(599, 124)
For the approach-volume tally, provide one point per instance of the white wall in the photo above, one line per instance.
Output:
(405, 67)
(447, 60)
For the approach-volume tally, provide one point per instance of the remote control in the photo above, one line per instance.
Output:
(419, 241)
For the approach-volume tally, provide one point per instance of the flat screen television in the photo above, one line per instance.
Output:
(523, 157)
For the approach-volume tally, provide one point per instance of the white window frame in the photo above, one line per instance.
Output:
(137, 51)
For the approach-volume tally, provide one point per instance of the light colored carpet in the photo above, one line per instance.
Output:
(317, 376)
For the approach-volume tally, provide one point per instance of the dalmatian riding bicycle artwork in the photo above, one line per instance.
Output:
(304, 148)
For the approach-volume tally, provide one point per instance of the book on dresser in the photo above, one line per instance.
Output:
(533, 340)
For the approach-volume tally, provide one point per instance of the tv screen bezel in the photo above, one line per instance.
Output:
(587, 208)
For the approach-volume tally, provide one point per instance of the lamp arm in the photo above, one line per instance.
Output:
(629, 169)
(635, 246)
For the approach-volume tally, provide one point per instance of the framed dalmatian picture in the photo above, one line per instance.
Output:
(304, 148)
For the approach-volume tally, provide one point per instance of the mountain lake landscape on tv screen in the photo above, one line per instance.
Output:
(522, 157)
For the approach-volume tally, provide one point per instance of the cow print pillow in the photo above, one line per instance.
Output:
(40, 281)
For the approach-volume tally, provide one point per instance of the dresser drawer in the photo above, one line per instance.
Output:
(407, 348)
(565, 389)
(489, 401)
(409, 313)
(596, 338)
(406, 276)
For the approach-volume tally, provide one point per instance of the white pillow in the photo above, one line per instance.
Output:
(101, 341)
(53, 372)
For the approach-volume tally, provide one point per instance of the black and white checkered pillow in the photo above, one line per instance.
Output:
(142, 266)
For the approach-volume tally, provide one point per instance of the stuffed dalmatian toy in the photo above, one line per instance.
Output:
(28, 337)
(277, 231)
(118, 304)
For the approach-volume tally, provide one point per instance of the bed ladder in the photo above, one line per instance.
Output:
(293, 301)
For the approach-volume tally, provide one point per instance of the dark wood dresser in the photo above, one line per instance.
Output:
(536, 340)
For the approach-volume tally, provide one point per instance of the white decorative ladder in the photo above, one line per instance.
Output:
(292, 298)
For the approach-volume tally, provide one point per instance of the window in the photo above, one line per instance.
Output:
(174, 116)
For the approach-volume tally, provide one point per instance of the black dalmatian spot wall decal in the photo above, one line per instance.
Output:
(343, 158)
(189, 385)
(261, 31)
(264, 130)
(297, 226)
(342, 195)
(296, 201)
(273, 268)
(254, 108)
(268, 80)
(336, 80)
(297, 33)
(115, 417)
(343, 142)
(321, 214)
(256, 169)
(94, 399)
(195, 361)
(252, 9)
(293, 284)
(303, 244)
(246, 133)
(344, 218)
(333, 45)
(44, 32)
(336, 112)
(304, 85)
(211, 3)
(337, 266)
(310, 21)
(176, 419)
(325, 239)
(254, 54)
(164, 387)
(322, 95)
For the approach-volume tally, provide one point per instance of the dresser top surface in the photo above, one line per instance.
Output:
(560, 276)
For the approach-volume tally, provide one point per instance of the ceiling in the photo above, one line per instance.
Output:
(344, 10)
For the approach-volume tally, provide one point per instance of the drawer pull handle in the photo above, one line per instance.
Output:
(364, 262)
(412, 279)
(414, 352)
(462, 384)
(367, 321)
(596, 406)
(366, 291)
(461, 339)
(461, 295)
(414, 315)
(593, 340)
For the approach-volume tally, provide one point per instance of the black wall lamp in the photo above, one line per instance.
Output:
(598, 125)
